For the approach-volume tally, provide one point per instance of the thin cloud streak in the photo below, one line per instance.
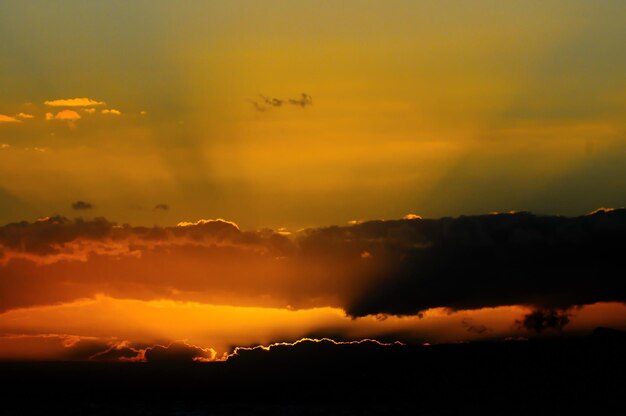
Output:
(74, 102)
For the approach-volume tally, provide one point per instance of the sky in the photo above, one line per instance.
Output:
(130, 132)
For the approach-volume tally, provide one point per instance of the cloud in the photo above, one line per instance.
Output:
(412, 217)
(307, 344)
(161, 207)
(89, 110)
(494, 260)
(541, 320)
(111, 111)
(74, 102)
(64, 115)
(8, 119)
(178, 352)
(81, 205)
(4, 146)
(258, 107)
(272, 102)
(469, 326)
(119, 351)
(303, 101)
(24, 116)
(220, 223)
(394, 267)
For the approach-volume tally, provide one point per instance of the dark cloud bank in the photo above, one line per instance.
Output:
(399, 267)
(541, 376)
(81, 205)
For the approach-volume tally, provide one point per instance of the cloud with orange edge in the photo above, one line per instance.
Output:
(111, 111)
(74, 102)
(8, 119)
(69, 116)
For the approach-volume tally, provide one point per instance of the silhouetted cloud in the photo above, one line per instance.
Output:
(399, 267)
(119, 351)
(469, 325)
(272, 102)
(81, 205)
(309, 342)
(258, 107)
(178, 352)
(541, 320)
(493, 260)
(161, 207)
(303, 101)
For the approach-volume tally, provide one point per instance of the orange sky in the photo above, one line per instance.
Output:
(80, 329)
(322, 135)
(78, 289)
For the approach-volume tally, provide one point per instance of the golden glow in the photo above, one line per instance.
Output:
(50, 332)
(290, 116)
(301, 340)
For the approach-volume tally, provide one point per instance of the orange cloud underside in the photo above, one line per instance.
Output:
(52, 332)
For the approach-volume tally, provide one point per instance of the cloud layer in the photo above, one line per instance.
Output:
(399, 267)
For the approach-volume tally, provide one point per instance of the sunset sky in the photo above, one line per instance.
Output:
(232, 173)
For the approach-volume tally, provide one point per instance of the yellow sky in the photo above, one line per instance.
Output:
(438, 108)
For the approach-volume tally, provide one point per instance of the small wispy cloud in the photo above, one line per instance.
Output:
(111, 111)
(24, 116)
(8, 119)
(274, 102)
(303, 101)
(74, 102)
(267, 102)
(81, 205)
(258, 107)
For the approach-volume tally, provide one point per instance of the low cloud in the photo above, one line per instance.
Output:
(24, 116)
(82, 205)
(161, 207)
(470, 326)
(119, 351)
(394, 267)
(74, 102)
(178, 352)
(542, 320)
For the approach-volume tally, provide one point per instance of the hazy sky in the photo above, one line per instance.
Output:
(434, 108)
